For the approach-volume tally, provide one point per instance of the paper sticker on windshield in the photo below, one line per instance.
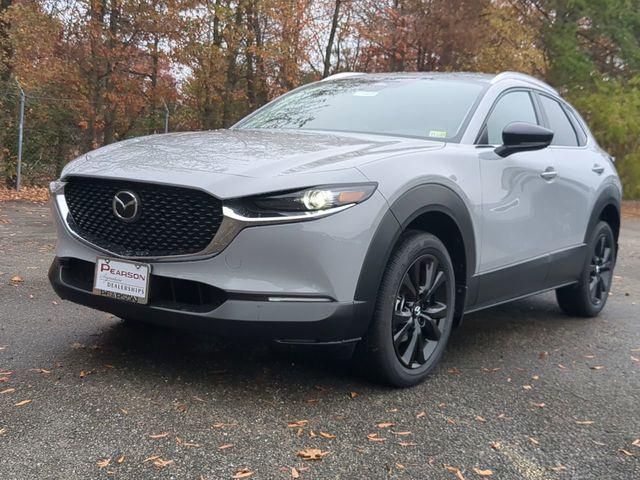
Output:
(438, 133)
(363, 93)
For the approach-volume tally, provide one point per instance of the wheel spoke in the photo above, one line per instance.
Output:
(420, 348)
(437, 283)
(408, 284)
(605, 267)
(592, 285)
(431, 329)
(604, 284)
(400, 336)
(601, 247)
(437, 311)
(606, 255)
(409, 353)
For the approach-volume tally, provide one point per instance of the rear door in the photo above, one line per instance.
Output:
(518, 199)
(576, 184)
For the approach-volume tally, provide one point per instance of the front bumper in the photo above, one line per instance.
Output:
(288, 322)
(293, 282)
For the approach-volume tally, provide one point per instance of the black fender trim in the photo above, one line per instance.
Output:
(609, 196)
(412, 204)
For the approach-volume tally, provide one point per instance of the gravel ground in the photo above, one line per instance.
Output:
(523, 392)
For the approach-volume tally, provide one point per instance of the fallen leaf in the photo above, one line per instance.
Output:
(353, 394)
(120, 459)
(635, 359)
(454, 470)
(225, 446)
(159, 435)
(543, 355)
(312, 454)
(407, 444)
(626, 452)
(562, 367)
(558, 468)
(584, 422)
(151, 458)
(8, 390)
(496, 445)
(3, 431)
(421, 414)
(527, 387)
(298, 424)
(124, 411)
(108, 365)
(535, 377)
(400, 466)
(596, 367)
(385, 424)
(483, 473)
(374, 437)
(295, 473)
(453, 371)
(402, 434)
(327, 435)
(243, 473)
(636, 442)
(161, 463)
(84, 373)
(103, 463)
(23, 402)
(539, 405)
(181, 442)
(480, 419)
(16, 279)
(534, 441)
(41, 370)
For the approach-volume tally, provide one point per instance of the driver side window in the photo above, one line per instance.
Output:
(513, 107)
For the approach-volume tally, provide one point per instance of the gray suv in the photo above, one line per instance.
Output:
(365, 212)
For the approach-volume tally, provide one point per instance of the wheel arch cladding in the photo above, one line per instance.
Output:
(431, 208)
(606, 208)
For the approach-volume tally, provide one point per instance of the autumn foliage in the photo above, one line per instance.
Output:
(97, 71)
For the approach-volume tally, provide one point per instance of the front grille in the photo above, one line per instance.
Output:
(164, 292)
(171, 220)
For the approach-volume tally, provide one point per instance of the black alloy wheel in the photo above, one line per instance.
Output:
(601, 272)
(421, 303)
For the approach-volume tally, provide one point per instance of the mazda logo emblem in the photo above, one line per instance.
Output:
(126, 205)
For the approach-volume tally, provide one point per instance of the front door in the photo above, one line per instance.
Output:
(518, 199)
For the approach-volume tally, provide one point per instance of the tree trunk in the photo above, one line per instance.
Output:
(332, 36)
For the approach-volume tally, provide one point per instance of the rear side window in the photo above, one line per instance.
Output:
(563, 132)
(512, 107)
(582, 136)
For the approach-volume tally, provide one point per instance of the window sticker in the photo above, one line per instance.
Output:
(438, 133)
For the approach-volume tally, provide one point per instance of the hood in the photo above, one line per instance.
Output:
(245, 153)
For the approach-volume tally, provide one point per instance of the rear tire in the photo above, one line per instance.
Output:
(589, 296)
(414, 313)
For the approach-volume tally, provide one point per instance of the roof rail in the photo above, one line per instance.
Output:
(337, 76)
(523, 77)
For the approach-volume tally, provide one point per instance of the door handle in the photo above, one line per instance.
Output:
(549, 174)
(597, 169)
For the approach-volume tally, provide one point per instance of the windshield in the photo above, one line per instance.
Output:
(417, 107)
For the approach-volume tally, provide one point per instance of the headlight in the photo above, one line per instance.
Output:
(316, 199)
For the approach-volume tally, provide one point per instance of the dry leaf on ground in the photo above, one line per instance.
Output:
(483, 473)
(454, 470)
(312, 454)
(385, 424)
(330, 436)
(242, 473)
(225, 446)
(23, 402)
(103, 463)
(156, 436)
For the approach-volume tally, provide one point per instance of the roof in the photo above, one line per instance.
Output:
(486, 78)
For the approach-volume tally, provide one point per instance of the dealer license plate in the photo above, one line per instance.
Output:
(122, 280)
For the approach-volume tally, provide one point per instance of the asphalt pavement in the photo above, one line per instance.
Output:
(523, 392)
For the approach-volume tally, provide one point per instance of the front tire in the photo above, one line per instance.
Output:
(589, 296)
(414, 312)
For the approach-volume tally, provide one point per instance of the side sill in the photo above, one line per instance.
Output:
(526, 295)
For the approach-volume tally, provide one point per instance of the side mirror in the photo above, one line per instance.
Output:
(523, 137)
